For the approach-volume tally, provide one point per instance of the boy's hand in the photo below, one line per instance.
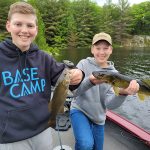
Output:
(76, 76)
(132, 89)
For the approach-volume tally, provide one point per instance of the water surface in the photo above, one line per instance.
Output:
(132, 62)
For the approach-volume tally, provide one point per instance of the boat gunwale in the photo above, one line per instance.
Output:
(131, 127)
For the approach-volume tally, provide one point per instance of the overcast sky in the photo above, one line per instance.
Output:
(101, 2)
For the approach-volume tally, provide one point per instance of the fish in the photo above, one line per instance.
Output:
(59, 96)
(117, 79)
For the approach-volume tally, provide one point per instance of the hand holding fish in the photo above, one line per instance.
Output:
(67, 77)
(59, 96)
(95, 80)
(123, 84)
(132, 89)
(76, 76)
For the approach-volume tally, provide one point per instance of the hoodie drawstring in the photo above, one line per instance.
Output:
(20, 63)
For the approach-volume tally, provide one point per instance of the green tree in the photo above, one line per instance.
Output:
(4, 8)
(86, 15)
(110, 12)
(40, 39)
(72, 35)
(141, 18)
(122, 24)
(54, 17)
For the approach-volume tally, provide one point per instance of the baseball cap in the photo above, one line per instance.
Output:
(102, 36)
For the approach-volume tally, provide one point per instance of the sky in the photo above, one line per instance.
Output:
(101, 2)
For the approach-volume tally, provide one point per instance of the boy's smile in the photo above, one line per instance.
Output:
(23, 30)
(101, 51)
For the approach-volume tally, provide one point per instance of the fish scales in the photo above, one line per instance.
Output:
(59, 96)
(119, 80)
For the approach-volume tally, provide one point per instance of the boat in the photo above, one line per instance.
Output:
(120, 134)
(135, 130)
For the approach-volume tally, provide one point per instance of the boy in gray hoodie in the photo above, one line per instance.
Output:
(94, 97)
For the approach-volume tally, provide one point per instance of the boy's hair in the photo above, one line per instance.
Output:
(22, 8)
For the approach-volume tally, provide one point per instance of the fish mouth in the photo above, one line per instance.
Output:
(104, 76)
(99, 75)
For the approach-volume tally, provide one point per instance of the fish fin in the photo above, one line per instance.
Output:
(142, 96)
(146, 81)
(52, 123)
(50, 106)
(116, 90)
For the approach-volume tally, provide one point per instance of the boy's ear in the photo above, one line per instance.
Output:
(111, 49)
(8, 26)
(37, 30)
(92, 49)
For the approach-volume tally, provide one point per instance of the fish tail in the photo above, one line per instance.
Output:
(142, 96)
(52, 123)
(116, 90)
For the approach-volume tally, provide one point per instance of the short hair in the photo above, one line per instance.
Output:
(22, 8)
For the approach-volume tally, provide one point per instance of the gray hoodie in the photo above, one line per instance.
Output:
(94, 100)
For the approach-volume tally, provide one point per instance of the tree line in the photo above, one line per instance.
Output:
(72, 23)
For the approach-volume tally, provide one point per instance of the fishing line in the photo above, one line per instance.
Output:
(58, 133)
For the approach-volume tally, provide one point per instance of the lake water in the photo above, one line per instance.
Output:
(133, 62)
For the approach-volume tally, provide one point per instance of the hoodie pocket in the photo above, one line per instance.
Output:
(26, 122)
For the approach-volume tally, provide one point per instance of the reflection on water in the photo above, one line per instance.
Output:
(131, 62)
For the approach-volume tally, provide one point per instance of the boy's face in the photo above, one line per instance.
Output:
(23, 30)
(101, 51)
